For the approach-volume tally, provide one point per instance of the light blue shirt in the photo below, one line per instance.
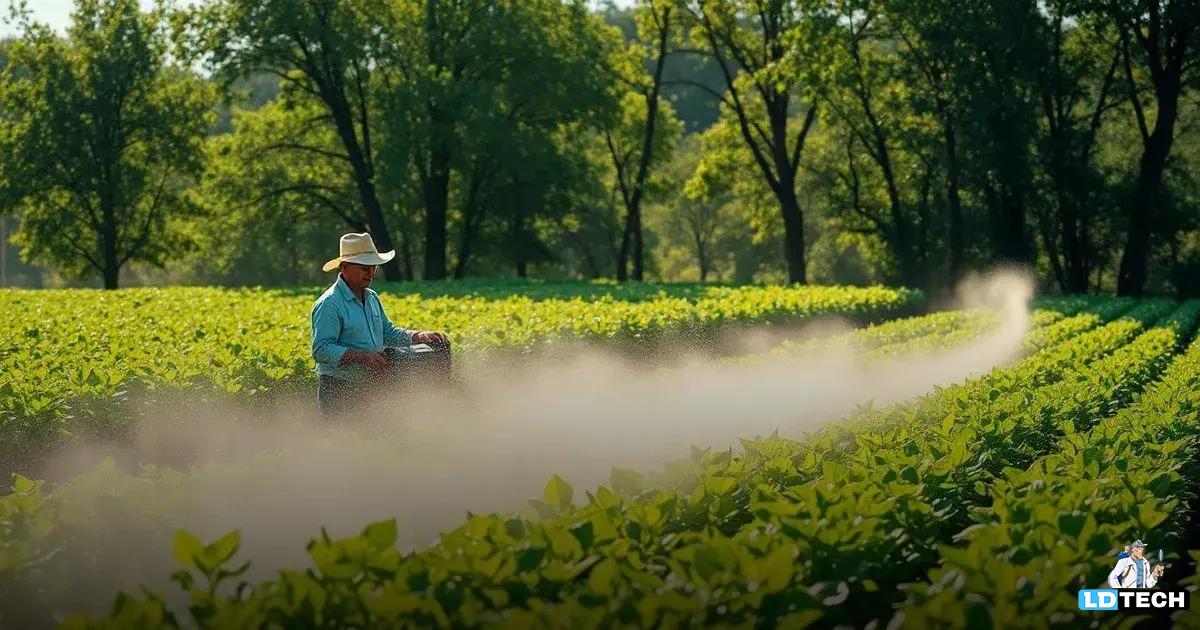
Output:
(341, 322)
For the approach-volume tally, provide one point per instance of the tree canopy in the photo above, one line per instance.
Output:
(102, 135)
(861, 141)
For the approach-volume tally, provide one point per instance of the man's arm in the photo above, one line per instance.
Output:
(1151, 575)
(326, 328)
(1114, 577)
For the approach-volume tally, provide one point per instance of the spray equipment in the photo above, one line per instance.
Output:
(421, 362)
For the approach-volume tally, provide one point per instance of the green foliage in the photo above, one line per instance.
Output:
(485, 143)
(73, 366)
(822, 529)
(260, 202)
(1056, 526)
(103, 133)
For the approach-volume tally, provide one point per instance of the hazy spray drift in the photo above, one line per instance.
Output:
(280, 479)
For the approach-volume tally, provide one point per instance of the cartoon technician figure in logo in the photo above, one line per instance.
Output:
(1133, 571)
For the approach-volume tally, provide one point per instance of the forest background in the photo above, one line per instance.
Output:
(824, 141)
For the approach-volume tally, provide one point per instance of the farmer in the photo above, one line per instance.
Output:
(350, 329)
(1133, 571)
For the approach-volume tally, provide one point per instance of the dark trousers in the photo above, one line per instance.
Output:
(333, 394)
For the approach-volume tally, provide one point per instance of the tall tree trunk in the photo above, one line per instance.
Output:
(436, 181)
(793, 234)
(378, 226)
(406, 256)
(109, 256)
(639, 184)
(771, 154)
(1066, 217)
(1144, 206)
(638, 248)
(789, 203)
(464, 256)
(701, 254)
(111, 276)
(901, 236)
(953, 197)
(1075, 246)
(877, 147)
(437, 201)
(1007, 210)
(1056, 264)
(519, 243)
(626, 245)
(364, 176)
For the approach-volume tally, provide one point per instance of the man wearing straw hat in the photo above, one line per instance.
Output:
(350, 329)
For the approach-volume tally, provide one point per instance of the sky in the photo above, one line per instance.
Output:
(57, 13)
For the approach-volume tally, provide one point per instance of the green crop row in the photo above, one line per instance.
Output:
(153, 497)
(1039, 369)
(70, 359)
(1053, 320)
(50, 520)
(1068, 327)
(830, 548)
(1056, 526)
(928, 329)
(867, 520)
(889, 333)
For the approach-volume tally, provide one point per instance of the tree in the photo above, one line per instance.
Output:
(860, 79)
(1001, 56)
(1078, 89)
(518, 194)
(719, 179)
(1161, 38)
(102, 135)
(260, 201)
(751, 40)
(465, 76)
(327, 49)
(699, 215)
(646, 123)
(930, 50)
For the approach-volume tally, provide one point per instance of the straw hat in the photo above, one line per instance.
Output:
(358, 249)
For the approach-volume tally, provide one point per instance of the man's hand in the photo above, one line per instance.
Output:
(374, 361)
(1158, 571)
(427, 336)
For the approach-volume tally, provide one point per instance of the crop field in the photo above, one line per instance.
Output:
(983, 502)
(67, 358)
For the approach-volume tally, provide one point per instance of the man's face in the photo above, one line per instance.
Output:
(1136, 553)
(358, 276)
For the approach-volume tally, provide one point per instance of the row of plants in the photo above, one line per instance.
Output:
(830, 547)
(1052, 320)
(1085, 318)
(1044, 367)
(69, 360)
(151, 501)
(1056, 526)
(862, 520)
(889, 333)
